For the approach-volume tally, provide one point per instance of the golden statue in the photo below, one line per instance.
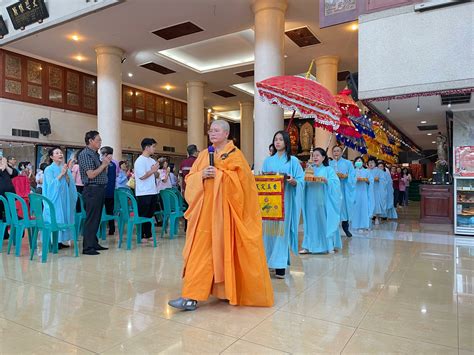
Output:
(306, 137)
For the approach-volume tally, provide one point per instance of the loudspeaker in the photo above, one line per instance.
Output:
(353, 85)
(44, 126)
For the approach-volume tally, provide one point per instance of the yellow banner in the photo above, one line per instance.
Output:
(271, 196)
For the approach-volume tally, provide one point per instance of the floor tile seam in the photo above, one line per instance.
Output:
(348, 341)
(49, 335)
(457, 318)
(227, 347)
(201, 328)
(265, 346)
(274, 310)
(320, 319)
(408, 338)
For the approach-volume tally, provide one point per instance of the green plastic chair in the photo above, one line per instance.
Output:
(18, 226)
(182, 202)
(80, 217)
(131, 218)
(49, 228)
(8, 220)
(104, 220)
(171, 212)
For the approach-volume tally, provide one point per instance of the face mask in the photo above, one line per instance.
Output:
(358, 164)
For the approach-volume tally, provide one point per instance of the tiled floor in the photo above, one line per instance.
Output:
(401, 288)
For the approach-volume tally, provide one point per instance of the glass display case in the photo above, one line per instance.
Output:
(464, 205)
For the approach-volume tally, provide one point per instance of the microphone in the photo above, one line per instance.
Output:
(211, 150)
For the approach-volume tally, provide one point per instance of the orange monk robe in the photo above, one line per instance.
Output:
(224, 253)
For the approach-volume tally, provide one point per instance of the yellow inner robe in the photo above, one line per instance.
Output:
(224, 253)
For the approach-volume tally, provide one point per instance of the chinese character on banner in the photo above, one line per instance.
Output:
(271, 196)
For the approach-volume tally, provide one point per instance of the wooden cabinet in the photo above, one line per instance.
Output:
(436, 204)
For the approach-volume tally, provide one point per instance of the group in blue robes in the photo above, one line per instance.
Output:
(322, 212)
(63, 195)
(364, 205)
(348, 183)
(281, 237)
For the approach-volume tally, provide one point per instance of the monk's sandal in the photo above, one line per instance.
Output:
(184, 304)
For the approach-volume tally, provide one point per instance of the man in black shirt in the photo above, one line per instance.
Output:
(94, 176)
(7, 173)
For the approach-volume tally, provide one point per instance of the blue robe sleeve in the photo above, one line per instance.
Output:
(371, 196)
(350, 189)
(333, 202)
(296, 201)
(265, 165)
(51, 183)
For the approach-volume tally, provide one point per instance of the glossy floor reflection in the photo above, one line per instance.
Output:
(402, 288)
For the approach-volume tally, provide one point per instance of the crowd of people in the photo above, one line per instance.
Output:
(229, 250)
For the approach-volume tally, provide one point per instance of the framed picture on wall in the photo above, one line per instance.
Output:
(129, 158)
(335, 12)
(71, 153)
(42, 154)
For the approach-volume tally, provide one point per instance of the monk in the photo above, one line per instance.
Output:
(223, 254)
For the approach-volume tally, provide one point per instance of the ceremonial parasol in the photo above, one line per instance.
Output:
(353, 143)
(309, 98)
(363, 125)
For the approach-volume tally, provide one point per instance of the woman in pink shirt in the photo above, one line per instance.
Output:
(77, 181)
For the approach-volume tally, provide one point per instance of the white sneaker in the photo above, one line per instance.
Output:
(377, 221)
(304, 251)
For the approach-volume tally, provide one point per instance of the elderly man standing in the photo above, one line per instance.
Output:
(224, 253)
(94, 176)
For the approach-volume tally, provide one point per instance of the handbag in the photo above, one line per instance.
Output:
(131, 183)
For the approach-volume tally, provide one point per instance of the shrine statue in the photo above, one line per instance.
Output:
(441, 146)
(306, 137)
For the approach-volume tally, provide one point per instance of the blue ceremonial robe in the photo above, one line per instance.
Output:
(345, 167)
(63, 195)
(390, 212)
(281, 237)
(321, 212)
(379, 192)
(363, 206)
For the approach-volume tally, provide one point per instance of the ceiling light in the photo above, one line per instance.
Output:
(430, 134)
(75, 37)
(388, 107)
(79, 58)
(434, 142)
(354, 26)
(167, 87)
(422, 121)
(130, 75)
(418, 108)
(209, 110)
(285, 56)
(449, 105)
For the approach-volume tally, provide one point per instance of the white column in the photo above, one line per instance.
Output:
(246, 130)
(326, 74)
(269, 61)
(196, 113)
(109, 97)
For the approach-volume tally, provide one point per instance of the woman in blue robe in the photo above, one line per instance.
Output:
(363, 207)
(346, 174)
(59, 188)
(391, 212)
(281, 237)
(379, 190)
(321, 208)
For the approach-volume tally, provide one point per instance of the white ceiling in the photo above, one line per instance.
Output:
(129, 26)
(404, 115)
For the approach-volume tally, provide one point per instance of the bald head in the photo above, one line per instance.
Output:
(222, 124)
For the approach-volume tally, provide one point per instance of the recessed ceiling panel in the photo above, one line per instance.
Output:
(158, 68)
(223, 93)
(218, 53)
(176, 31)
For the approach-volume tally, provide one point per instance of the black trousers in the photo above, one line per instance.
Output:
(109, 208)
(94, 196)
(146, 208)
(396, 193)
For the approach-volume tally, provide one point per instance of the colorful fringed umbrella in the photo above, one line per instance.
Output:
(347, 128)
(363, 125)
(309, 98)
(346, 104)
(353, 143)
